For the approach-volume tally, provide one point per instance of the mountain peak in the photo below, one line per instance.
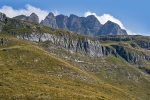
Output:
(50, 20)
(32, 18)
(51, 14)
(33, 14)
(111, 28)
(111, 23)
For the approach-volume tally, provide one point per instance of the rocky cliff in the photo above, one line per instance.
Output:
(82, 46)
(61, 21)
(3, 17)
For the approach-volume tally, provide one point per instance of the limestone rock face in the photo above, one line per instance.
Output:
(83, 46)
(34, 18)
(92, 24)
(145, 45)
(83, 25)
(50, 20)
(74, 23)
(61, 21)
(111, 28)
(2, 17)
(130, 56)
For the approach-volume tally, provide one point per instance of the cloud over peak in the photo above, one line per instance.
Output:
(10, 12)
(105, 17)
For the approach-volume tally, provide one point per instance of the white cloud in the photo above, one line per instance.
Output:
(10, 12)
(132, 33)
(105, 17)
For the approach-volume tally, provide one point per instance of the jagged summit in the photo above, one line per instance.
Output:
(111, 28)
(89, 25)
(50, 20)
(51, 14)
(34, 18)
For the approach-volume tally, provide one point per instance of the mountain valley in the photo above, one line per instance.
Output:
(63, 58)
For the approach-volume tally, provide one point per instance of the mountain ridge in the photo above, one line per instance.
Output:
(89, 25)
(32, 18)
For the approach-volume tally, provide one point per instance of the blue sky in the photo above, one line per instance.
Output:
(133, 14)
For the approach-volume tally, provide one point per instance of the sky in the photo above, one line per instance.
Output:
(132, 15)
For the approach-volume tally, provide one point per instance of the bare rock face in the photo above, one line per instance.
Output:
(83, 46)
(130, 56)
(89, 25)
(50, 20)
(111, 28)
(34, 18)
(3, 17)
(61, 21)
(92, 24)
(144, 45)
(74, 23)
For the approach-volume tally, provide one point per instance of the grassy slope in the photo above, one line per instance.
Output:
(28, 72)
(115, 71)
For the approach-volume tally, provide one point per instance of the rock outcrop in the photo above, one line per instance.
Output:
(83, 46)
(144, 45)
(115, 38)
(3, 17)
(32, 18)
(130, 56)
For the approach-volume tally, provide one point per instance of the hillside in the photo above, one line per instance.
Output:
(40, 62)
